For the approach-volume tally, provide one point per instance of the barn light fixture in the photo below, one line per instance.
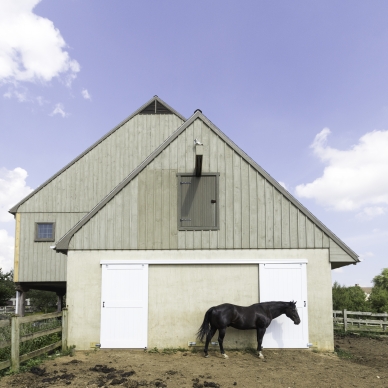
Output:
(198, 157)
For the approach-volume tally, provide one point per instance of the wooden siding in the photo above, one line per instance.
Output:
(91, 178)
(337, 254)
(253, 214)
(37, 262)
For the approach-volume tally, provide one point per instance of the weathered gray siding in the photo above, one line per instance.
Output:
(72, 194)
(37, 262)
(91, 178)
(252, 212)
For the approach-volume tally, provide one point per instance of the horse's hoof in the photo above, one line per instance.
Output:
(206, 356)
(225, 356)
(260, 355)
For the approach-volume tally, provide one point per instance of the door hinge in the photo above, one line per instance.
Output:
(185, 183)
(185, 219)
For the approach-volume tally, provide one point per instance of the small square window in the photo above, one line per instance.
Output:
(198, 202)
(45, 231)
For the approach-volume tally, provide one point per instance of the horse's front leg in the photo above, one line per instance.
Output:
(221, 335)
(260, 335)
(209, 336)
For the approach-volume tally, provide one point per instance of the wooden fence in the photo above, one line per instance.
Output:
(17, 339)
(11, 309)
(360, 318)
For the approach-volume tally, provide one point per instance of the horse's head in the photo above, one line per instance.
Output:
(292, 313)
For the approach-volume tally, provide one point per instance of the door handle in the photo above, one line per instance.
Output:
(304, 303)
(103, 304)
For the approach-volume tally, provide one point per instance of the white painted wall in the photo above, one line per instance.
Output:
(192, 289)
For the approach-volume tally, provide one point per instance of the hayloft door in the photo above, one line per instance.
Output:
(124, 306)
(285, 282)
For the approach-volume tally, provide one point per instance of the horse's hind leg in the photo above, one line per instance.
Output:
(221, 335)
(209, 336)
(260, 335)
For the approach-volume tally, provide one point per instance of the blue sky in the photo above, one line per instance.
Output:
(300, 86)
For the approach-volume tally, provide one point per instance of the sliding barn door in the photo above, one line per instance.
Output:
(285, 282)
(124, 306)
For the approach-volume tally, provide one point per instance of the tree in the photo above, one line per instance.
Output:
(379, 295)
(42, 300)
(7, 288)
(349, 298)
(381, 281)
(379, 300)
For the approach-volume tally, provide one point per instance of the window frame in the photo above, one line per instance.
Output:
(37, 239)
(179, 204)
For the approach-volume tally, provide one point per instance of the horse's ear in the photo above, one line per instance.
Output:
(294, 303)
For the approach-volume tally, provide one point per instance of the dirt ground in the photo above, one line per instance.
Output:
(363, 363)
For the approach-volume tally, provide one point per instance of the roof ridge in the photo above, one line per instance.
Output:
(14, 208)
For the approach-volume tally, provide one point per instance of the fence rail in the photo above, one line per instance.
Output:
(360, 319)
(16, 339)
(11, 309)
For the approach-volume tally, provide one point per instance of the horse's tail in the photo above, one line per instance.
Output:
(205, 327)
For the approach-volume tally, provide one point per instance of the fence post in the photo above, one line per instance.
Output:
(345, 320)
(15, 341)
(64, 329)
(384, 324)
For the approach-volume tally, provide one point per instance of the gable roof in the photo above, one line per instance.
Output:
(159, 107)
(63, 243)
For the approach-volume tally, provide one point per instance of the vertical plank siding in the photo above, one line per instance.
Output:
(37, 262)
(91, 178)
(253, 214)
(73, 193)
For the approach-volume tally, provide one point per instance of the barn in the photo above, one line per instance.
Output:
(162, 218)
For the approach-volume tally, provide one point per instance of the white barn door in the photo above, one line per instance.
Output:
(124, 306)
(285, 282)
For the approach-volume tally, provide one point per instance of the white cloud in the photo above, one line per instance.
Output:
(371, 212)
(20, 93)
(86, 95)
(6, 251)
(59, 110)
(353, 179)
(13, 188)
(31, 48)
(41, 100)
(283, 185)
(365, 255)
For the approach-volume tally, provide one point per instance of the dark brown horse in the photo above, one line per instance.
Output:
(258, 317)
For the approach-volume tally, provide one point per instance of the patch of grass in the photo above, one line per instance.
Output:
(356, 334)
(36, 361)
(69, 352)
(173, 350)
(154, 350)
(371, 330)
(344, 354)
